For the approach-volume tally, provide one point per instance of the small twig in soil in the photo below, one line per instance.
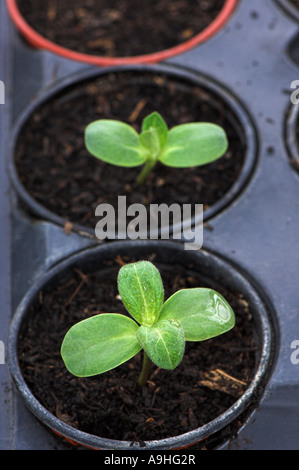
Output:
(219, 380)
(137, 110)
(77, 290)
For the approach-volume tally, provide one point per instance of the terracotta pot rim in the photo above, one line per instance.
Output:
(210, 262)
(40, 42)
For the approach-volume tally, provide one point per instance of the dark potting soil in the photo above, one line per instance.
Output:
(119, 28)
(60, 174)
(294, 2)
(111, 405)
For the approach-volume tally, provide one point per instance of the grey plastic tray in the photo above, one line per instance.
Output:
(254, 57)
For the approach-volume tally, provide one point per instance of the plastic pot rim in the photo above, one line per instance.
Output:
(289, 8)
(260, 308)
(176, 72)
(291, 123)
(40, 42)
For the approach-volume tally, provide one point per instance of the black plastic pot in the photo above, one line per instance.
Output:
(210, 266)
(289, 7)
(240, 120)
(291, 133)
(254, 59)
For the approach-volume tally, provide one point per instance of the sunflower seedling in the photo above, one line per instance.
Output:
(104, 341)
(186, 145)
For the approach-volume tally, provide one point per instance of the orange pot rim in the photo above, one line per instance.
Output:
(40, 42)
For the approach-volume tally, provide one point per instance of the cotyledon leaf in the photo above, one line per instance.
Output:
(202, 313)
(115, 142)
(99, 343)
(194, 144)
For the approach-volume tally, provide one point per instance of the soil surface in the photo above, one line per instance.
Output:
(111, 405)
(294, 2)
(119, 28)
(60, 174)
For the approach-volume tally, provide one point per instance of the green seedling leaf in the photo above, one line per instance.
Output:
(100, 343)
(141, 289)
(115, 142)
(156, 122)
(185, 145)
(194, 144)
(202, 313)
(105, 341)
(163, 342)
(150, 140)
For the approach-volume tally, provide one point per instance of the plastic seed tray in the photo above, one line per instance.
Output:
(255, 59)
